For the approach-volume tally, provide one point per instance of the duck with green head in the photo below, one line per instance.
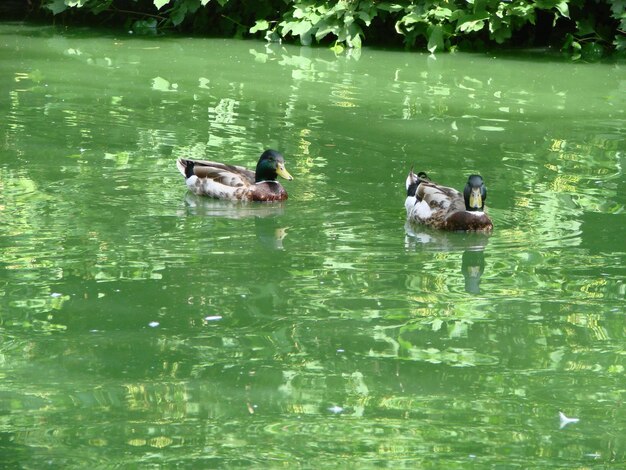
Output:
(446, 208)
(237, 183)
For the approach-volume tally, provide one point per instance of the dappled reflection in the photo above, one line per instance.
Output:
(269, 229)
(472, 245)
(314, 69)
(206, 206)
(161, 84)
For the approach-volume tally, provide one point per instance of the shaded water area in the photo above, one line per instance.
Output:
(142, 326)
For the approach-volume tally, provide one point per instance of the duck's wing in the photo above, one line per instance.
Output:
(227, 175)
(440, 197)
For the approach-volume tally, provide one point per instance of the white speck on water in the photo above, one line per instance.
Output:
(153, 324)
(564, 420)
(335, 409)
(341, 350)
(56, 294)
(213, 318)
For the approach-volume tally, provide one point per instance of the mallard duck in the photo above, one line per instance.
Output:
(237, 183)
(446, 208)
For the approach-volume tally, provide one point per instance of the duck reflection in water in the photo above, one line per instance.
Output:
(473, 267)
(471, 244)
(270, 232)
(268, 227)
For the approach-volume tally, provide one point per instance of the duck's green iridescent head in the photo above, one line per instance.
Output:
(475, 193)
(270, 165)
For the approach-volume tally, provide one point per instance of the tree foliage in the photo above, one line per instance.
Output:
(582, 27)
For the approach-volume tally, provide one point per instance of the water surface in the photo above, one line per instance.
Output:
(144, 326)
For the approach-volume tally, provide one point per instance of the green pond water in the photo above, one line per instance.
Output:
(145, 327)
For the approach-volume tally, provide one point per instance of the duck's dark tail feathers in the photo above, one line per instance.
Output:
(413, 181)
(185, 167)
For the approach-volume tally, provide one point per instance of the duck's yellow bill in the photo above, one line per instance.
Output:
(281, 171)
(475, 200)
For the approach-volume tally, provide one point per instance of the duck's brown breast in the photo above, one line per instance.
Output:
(268, 191)
(468, 221)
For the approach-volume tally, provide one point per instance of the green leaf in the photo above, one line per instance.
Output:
(301, 28)
(442, 13)
(355, 41)
(178, 15)
(260, 25)
(337, 48)
(618, 7)
(471, 26)
(585, 26)
(411, 18)
(389, 7)
(456, 14)
(324, 29)
(286, 27)
(56, 6)
(563, 8)
(435, 39)
(365, 17)
(502, 34)
(204, 2)
(160, 3)
(592, 51)
(472, 23)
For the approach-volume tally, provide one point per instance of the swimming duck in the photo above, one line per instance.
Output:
(446, 208)
(236, 183)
